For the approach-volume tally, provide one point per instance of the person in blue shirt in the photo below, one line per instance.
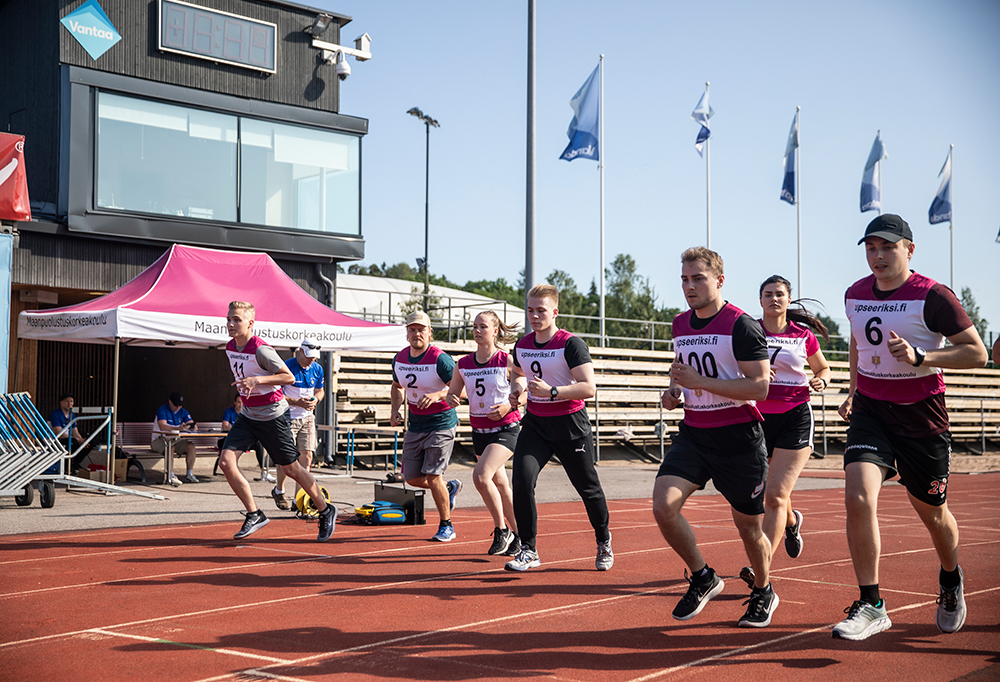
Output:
(59, 420)
(173, 417)
(302, 398)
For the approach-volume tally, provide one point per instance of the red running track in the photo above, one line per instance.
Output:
(185, 602)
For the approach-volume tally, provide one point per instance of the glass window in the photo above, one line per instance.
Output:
(300, 178)
(160, 158)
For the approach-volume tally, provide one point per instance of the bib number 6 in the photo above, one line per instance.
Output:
(873, 333)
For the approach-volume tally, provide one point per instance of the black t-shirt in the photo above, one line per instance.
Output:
(564, 426)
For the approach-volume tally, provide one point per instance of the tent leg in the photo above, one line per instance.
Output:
(114, 417)
(17, 366)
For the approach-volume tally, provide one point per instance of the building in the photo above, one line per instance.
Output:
(205, 122)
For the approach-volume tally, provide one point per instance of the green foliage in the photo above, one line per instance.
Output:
(972, 310)
(835, 343)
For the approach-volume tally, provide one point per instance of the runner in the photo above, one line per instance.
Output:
(720, 369)
(898, 419)
(485, 377)
(420, 376)
(259, 375)
(556, 423)
(788, 418)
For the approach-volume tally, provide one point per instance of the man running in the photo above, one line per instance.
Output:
(898, 419)
(259, 375)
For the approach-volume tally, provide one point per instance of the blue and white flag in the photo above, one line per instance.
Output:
(584, 129)
(789, 189)
(701, 114)
(940, 211)
(871, 183)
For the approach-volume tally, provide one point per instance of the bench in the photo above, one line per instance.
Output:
(134, 438)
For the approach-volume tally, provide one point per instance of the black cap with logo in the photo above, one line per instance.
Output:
(889, 227)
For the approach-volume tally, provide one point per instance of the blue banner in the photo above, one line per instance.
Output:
(871, 182)
(701, 114)
(584, 129)
(789, 188)
(940, 211)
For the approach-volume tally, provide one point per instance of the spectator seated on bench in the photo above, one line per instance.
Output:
(172, 417)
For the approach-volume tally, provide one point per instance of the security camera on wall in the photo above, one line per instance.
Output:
(343, 69)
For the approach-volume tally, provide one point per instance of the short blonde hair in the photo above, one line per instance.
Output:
(545, 291)
(710, 258)
(245, 307)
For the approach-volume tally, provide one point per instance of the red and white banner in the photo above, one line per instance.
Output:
(14, 204)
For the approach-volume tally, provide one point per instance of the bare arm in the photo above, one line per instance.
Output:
(456, 389)
(585, 386)
(820, 369)
(752, 386)
(847, 406)
(396, 398)
(966, 351)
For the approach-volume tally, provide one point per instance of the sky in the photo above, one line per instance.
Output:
(927, 74)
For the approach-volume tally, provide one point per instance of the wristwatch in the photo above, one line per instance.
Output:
(921, 354)
(554, 392)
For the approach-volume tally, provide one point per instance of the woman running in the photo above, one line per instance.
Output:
(788, 418)
(485, 377)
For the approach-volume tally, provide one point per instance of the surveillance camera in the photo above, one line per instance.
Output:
(343, 69)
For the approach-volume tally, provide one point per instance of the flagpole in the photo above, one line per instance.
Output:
(879, 164)
(529, 195)
(600, 152)
(708, 186)
(798, 191)
(951, 221)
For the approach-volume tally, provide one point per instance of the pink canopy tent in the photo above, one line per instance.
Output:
(181, 300)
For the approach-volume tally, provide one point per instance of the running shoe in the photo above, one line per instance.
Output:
(176, 482)
(698, 594)
(515, 547)
(761, 605)
(266, 476)
(525, 559)
(253, 522)
(445, 533)
(327, 523)
(793, 537)
(502, 537)
(191, 478)
(279, 500)
(454, 488)
(863, 621)
(748, 576)
(605, 557)
(951, 606)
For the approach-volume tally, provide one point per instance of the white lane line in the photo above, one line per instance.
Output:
(183, 645)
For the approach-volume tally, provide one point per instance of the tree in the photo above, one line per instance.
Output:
(972, 310)
(836, 343)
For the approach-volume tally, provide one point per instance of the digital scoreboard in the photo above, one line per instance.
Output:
(217, 36)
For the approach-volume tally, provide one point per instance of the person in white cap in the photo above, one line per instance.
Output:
(421, 374)
(302, 398)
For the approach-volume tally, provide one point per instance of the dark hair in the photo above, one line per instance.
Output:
(64, 396)
(799, 313)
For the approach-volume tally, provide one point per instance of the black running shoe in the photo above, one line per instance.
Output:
(793, 537)
(761, 605)
(698, 594)
(502, 537)
(515, 546)
(748, 576)
(327, 523)
(253, 522)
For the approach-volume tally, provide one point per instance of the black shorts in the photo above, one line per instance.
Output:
(733, 457)
(275, 435)
(792, 430)
(924, 463)
(506, 436)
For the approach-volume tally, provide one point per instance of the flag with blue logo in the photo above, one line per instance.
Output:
(871, 183)
(584, 129)
(701, 114)
(940, 211)
(789, 189)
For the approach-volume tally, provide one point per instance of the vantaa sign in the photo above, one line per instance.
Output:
(92, 28)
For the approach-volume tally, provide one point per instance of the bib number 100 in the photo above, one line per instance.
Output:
(705, 364)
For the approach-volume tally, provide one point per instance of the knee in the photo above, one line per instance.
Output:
(481, 479)
(665, 513)
(775, 501)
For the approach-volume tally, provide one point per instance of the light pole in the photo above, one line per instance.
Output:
(428, 122)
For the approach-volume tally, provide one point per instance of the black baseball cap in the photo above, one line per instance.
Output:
(889, 227)
(176, 398)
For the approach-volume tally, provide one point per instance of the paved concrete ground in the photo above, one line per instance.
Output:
(623, 477)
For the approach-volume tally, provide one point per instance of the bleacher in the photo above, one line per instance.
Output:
(626, 411)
